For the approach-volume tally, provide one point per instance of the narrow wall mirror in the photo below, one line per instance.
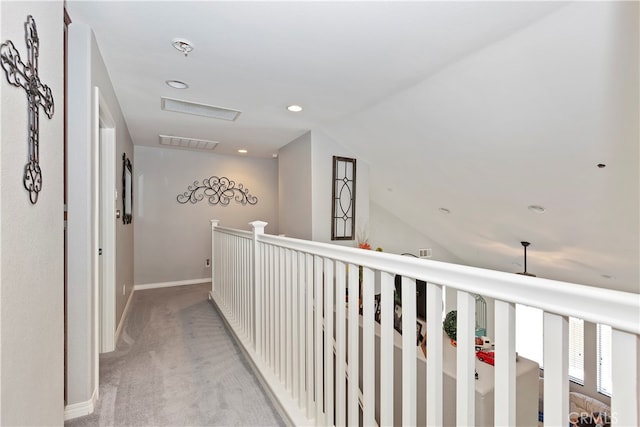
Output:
(343, 209)
(127, 189)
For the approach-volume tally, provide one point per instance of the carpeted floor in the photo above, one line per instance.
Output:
(175, 364)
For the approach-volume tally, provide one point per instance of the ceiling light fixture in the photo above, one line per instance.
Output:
(524, 273)
(537, 209)
(183, 45)
(177, 84)
(294, 108)
(242, 151)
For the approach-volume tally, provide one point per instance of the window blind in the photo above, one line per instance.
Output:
(576, 350)
(604, 359)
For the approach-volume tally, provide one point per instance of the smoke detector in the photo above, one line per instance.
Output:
(183, 45)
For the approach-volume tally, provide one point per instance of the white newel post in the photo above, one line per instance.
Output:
(214, 224)
(258, 228)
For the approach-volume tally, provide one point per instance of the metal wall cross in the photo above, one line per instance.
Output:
(26, 76)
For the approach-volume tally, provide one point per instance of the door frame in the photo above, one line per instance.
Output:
(104, 149)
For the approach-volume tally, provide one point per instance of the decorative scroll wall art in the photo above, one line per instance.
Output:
(343, 207)
(218, 191)
(26, 76)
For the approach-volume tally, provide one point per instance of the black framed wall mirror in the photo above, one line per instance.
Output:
(127, 190)
(343, 205)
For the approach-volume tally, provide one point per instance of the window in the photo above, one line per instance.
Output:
(529, 333)
(576, 350)
(530, 343)
(604, 359)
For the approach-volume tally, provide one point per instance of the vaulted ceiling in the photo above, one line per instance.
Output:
(482, 108)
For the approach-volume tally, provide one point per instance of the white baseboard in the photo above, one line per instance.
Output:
(125, 312)
(80, 409)
(170, 284)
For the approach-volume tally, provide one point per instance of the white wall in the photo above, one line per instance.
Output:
(31, 236)
(294, 188)
(86, 69)
(395, 236)
(173, 240)
(323, 148)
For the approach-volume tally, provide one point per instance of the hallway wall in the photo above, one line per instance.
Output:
(86, 71)
(31, 235)
(173, 240)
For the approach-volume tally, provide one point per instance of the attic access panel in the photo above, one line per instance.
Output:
(343, 206)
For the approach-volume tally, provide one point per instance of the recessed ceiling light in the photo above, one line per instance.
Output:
(536, 208)
(444, 211)
(242, 151)
(274, 155)
(176, 84)
(294, 108)
(183, 45)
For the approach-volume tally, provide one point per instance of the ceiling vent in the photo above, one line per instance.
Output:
(187, 143)
(188, 107)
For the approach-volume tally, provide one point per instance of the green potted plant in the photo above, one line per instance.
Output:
(450, 325)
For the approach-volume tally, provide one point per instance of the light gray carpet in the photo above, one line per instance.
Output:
(175, 364)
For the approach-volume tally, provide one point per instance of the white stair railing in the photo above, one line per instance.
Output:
(290, 304)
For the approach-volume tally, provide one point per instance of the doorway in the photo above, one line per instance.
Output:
(104, 225)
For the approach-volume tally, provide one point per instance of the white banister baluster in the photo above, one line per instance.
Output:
(368, 349)
(281, 314)
(328, 341)
(302, 335)
(434, 355)
(310, 382)
(465, 358)
(505, 364)
(288, 312)
(295, 324)
(556, 369)
(386, 348)
(625, 386)
(277, 283)
(341, 353)
(214, 224)
(318, 308)
(272, 310)
(409, 370)
(353, 347)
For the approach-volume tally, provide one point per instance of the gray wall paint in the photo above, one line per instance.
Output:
(86, 70)
(173, 240)
(395, 236)
(31, 236)
(323, 148)
(294, 188)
